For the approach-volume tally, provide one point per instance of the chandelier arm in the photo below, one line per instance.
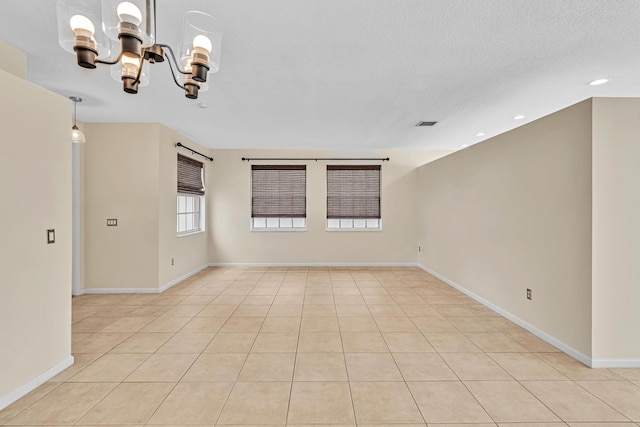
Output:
(115, 61)
(173, 57)
(137, 80)
(173, 74)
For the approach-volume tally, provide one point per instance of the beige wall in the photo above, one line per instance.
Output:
(229, 207)
(514, 212)
(13, 60)
(35, 286)
(130, 174)
(121, 181)
(189, 252)
(616, 230)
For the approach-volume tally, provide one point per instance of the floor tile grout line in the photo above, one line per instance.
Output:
(30, 405)
(222, 408)
(346, 369)
(541, 402)
(467, 389)
(295, 362)
(489, 354)
(404, 381)
(602, 400)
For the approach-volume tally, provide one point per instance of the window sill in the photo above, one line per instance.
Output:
(278, 229)
(354, 229)
(190, 233)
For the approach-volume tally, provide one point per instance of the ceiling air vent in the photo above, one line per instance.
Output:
(426, 123)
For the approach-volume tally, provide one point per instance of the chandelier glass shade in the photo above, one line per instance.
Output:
(122, 34)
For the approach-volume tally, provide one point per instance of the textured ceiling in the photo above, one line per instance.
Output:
(359, 74)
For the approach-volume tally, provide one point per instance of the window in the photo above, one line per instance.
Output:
(278, 197)
(189, 214)
(353, 197)
(190, 201)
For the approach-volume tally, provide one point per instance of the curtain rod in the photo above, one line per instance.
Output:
(180, 144)
(248, 159)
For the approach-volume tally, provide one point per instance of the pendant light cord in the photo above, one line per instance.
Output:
(155, 20)
(75, 101)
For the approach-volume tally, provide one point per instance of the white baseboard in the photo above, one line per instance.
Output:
(34, 383)
(535, 331)
(313, 264)
(183, 277)
(143, 290)
(615, 363)
(92, 291)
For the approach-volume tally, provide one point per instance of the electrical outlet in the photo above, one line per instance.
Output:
(528, 293)
(172, 261)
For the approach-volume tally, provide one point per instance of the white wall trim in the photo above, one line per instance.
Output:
(144, 290)
(313, 264)
(34, 383)
(615, 363)
(535, 331)
(92, 291)
(183, 277)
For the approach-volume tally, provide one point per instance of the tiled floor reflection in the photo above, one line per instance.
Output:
(317, 347)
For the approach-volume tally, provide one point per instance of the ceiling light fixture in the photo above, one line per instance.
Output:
(76, 135)
(131, 26)
(518, 117)
(598, 82)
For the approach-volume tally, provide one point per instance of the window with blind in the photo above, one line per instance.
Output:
(278, 197)
(190, 200)
(353, 197)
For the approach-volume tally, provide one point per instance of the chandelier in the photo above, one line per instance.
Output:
(127, 42)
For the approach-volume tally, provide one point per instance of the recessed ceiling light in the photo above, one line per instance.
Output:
(464, 146)
(518, 117)
(480, 134)
(598, 82)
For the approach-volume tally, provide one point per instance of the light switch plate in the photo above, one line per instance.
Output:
(51, 236)
(112, 222)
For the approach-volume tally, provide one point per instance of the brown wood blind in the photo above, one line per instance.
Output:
(278, 191)
(190, 176)
(353, 192)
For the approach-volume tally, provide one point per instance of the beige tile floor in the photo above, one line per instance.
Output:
(317, 346)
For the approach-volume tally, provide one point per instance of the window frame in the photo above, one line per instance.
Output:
(343, 221)
(200, 214)
(190, 181)
(280, 218)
